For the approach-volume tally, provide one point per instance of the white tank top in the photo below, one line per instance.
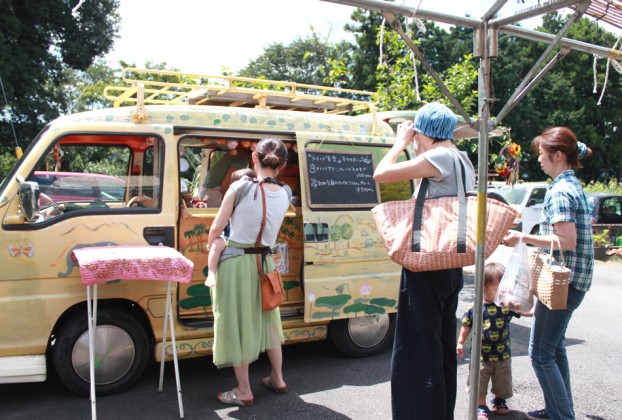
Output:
(246, 217)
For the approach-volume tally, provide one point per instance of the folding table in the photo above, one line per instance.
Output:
(100, 264)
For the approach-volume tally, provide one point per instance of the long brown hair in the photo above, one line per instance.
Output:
(561, 139)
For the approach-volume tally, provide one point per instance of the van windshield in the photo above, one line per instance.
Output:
(513, 195)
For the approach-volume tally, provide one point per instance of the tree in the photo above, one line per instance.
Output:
(41, 41)
(365, 27)
(305, 60)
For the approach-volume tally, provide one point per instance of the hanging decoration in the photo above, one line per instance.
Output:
(617, 67)
(507, 163)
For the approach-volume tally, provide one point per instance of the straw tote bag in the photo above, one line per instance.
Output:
(428, 234)
(549, 278)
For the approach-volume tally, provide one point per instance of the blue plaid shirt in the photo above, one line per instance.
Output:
(565, 202)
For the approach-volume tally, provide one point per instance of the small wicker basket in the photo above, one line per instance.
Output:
(549, 279)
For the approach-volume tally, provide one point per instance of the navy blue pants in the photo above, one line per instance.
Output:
(424, 364)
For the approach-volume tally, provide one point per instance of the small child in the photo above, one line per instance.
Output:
(220, 243)
(496, 364)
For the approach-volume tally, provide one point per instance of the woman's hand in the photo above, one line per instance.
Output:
(511, 238)
(405, 134)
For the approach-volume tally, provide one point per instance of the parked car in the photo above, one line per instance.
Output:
(606, 213)
(79, 186)
(605, 208)
(528, 199)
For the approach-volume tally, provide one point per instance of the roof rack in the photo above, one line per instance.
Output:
(200, 89)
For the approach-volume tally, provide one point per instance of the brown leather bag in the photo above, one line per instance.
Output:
(272, 291)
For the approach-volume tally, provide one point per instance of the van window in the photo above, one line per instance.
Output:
(112, 173)
(537, 196)
(513, 195)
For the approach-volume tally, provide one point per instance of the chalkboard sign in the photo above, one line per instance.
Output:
(340, 179)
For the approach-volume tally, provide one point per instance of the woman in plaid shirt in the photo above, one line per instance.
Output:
(564, 217)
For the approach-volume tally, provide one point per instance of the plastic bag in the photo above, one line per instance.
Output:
(514, 292)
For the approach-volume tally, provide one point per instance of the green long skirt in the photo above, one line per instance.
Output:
(242, 330)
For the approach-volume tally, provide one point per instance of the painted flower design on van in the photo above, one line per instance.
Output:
(337, 303)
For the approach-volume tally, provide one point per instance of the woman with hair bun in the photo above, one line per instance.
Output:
(565, 222)
(242, 330)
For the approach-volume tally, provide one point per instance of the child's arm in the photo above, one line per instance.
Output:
(464, 333)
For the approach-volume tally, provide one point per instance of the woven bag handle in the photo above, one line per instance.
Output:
(462, 208)
(561, 252)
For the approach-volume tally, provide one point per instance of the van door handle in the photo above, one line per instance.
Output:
(156, 235)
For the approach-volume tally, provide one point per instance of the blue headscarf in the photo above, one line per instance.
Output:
(436, 120)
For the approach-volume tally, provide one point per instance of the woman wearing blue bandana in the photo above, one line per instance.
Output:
(424, 365)
(565, 221)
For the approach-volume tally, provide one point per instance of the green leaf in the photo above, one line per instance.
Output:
(332, 302)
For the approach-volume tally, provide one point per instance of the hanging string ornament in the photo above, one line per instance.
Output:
(423, 30)
(507, 162)
(617, 67)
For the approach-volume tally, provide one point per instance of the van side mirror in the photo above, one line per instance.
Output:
(29, 198)
(531, 202)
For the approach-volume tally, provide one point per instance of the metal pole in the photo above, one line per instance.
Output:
(475, 23)
(546, 7)
(565, 42)
(484, 104)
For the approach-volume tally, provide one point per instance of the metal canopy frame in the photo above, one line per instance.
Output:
(485, 32)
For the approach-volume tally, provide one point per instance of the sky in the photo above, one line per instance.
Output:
(202, 36)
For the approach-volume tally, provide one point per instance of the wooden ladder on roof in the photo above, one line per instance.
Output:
(163, 87)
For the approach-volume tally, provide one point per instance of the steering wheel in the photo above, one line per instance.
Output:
(134, 200)
(52, 202)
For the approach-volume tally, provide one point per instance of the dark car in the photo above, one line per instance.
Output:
(605, 208)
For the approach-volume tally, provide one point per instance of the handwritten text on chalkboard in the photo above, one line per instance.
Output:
(341, 178)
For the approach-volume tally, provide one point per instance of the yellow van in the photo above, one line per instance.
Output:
(86, 178)
(83, 182)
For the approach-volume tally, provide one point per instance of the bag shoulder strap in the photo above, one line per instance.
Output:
(263, 223)
(462, 208)
(246, 187)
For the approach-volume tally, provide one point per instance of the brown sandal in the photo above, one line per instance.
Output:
(267, 381)
(231, 398)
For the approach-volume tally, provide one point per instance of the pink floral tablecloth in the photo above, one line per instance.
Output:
(100, 264)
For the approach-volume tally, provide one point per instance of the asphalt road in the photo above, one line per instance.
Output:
(325, 385)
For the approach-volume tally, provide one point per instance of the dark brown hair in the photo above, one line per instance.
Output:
(272, 153)
(492, 271)
(560, 139)
(240, 173)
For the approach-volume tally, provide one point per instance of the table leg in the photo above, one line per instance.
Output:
(92, 323)
(168, 317)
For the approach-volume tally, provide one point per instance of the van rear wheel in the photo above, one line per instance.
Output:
(362, 336)
(122, 350)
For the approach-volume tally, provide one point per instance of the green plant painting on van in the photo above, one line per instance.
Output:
(200, 297)
(363, 305)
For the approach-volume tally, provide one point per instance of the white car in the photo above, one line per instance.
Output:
(528, 199)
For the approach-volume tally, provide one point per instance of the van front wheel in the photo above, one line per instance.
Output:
(362, 336)
(122, 350)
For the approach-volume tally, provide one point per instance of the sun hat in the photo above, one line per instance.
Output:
(436, 120)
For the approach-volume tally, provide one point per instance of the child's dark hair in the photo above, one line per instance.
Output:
(492, 271)
(241, 173)
(272, 152)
